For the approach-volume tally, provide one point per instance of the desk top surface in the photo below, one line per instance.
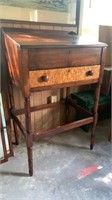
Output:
(32, 38)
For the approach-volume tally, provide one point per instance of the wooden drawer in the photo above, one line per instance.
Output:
(62, 58)
(84, 56)
(42, 78)
(48, 58)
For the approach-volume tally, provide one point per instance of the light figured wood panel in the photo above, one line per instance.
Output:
(36, 117)
(42, 119)
(47, 114)
(64, 75)
(51, 116)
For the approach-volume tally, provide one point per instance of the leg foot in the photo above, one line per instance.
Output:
(15, 133)
(92, 137)
(91, 146)
(109, 137)
(30, 161)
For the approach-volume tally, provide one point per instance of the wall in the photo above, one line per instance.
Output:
(93, 14)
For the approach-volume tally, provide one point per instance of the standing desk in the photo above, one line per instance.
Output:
(40, 60)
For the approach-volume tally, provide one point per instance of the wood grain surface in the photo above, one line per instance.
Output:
(64, 75)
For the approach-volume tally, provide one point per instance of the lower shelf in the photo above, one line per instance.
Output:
(86, 100)
(63, 128)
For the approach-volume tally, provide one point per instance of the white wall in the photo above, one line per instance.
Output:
(99, 12)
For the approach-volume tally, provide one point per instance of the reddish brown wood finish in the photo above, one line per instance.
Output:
(38, 50)
(43, 59)
(29, 138)
(60, 129)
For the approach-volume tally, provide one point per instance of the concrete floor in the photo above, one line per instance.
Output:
(64, 169)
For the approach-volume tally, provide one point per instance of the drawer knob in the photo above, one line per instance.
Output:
(89, 73)
(44, 78)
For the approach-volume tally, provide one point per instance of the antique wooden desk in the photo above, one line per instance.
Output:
(41, 60)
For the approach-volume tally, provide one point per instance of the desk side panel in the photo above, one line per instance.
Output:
(12, 56)
(17, 60)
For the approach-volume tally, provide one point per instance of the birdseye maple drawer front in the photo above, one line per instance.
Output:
(42, 78)
(63, 57)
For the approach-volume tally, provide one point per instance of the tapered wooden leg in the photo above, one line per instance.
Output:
(12, 104)
(30, 160)
(109, 137)
(29, 141)
(15, 133)
(95, 113)
(93, 132)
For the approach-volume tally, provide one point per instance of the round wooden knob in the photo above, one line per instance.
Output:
(89, 73)
(44, 78)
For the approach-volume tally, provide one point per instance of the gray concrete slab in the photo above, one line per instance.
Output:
(64, 168)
